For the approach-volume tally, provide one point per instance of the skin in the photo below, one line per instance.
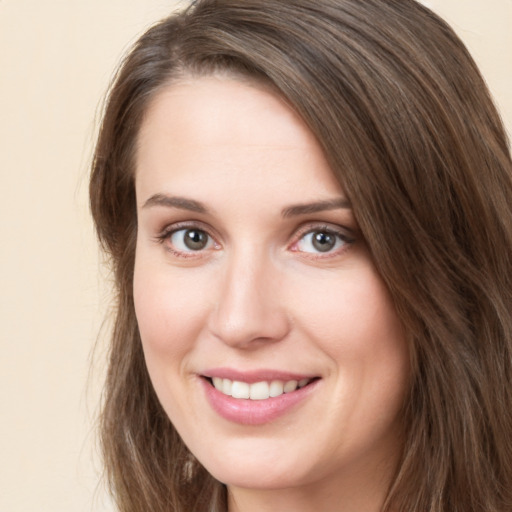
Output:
(260, 295)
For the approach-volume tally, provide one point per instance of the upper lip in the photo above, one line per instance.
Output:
(252, 376)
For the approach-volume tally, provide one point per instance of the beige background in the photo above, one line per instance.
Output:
(56, 58)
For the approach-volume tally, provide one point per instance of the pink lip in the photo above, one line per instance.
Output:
(254, 376)
(254, 412)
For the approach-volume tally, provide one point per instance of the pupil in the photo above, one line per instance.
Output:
(323, 242)
(196, 240)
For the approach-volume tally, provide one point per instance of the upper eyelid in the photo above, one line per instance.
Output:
(188, 224)
(311, 227)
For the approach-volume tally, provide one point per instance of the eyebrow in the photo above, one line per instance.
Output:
(192, 205)
(319, 206)
(175, 202)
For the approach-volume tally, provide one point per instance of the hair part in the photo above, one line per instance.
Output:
(410, 132)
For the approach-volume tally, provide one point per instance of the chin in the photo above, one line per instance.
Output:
(261, 477)
(259, 468)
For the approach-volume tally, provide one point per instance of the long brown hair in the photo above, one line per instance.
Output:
(410, 132)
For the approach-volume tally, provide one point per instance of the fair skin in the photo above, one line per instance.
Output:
(250, 267)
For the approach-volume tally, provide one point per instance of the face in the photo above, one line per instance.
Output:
(270, 338)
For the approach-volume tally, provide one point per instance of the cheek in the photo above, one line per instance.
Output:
(352, 313)
(353, 320)
(170, 314)
(170, 311)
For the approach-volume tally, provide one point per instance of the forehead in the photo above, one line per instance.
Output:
(210, 129)
(218, 110)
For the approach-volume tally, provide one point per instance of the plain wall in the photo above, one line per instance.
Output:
(56, 58)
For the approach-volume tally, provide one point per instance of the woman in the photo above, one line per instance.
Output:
(308, 210)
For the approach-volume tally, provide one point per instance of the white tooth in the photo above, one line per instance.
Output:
(240, 389)
(276, 388)
(290, 386)
(303, 382)
(259, 391)
(227, 386)
(217, 383)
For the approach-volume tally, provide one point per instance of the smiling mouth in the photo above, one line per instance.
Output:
(262, 390)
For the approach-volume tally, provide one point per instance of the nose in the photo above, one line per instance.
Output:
(249, 311)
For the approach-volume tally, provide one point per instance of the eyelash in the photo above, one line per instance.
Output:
(299, 236)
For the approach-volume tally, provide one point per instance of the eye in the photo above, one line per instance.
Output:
(190, 240)
(322, 241)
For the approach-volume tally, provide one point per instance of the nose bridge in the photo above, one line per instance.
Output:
(248, 307)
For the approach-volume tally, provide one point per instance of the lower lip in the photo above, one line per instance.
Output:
(254, 412)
